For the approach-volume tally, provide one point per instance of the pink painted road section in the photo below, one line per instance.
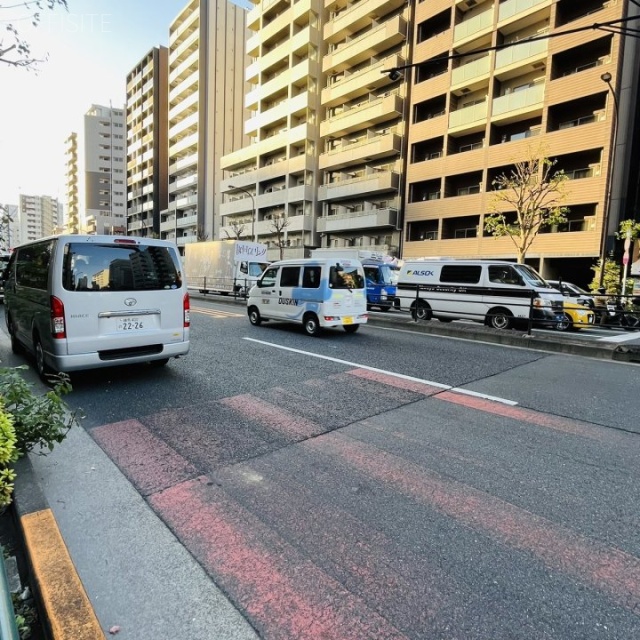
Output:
(149, 464)
(548, 421)
(605, 568)
(286, 596)
(272, 416)
(394, 381)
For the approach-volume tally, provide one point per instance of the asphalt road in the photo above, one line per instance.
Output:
(388, 484)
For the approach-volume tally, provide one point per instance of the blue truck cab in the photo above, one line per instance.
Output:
(379, 273)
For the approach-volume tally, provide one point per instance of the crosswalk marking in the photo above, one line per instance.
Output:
(215, 313)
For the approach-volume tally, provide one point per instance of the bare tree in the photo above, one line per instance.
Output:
(535, 192)
(237, 231)
(201, 233)
(15, 51)
(278, 224)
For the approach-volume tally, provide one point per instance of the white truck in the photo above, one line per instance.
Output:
(224, 266)
(378, 269)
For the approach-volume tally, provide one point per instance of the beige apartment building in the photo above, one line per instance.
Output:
(205, 113)
(147, 143)
(72, 184)
(481, 102)
(38, 217)
(326, 127)
(270, 185)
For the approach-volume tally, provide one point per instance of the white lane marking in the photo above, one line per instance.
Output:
(401, 376)
(621, 338)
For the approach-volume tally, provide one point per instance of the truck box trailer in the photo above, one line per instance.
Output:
(224, 266)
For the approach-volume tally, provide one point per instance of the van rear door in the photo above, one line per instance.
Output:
(119, 295)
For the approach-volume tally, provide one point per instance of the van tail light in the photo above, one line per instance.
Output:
(186, 306)
(58, 326)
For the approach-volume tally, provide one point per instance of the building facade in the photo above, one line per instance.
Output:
(206, 86)
(38, 217)
(105, 205)
(147, 143)
(483, 98)
(72, 222)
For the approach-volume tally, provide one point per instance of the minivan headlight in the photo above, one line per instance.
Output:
(541, 302)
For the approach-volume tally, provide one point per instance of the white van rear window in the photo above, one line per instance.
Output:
(105, 267)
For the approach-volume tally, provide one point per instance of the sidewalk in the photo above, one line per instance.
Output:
(127, 571)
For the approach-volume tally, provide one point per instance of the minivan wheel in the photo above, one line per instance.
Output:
(41, 366)
(420, 310)
(500, 319)
(311, 324)
(254, 316)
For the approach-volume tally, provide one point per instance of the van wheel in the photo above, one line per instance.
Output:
(500, 318)
(421, 311)
(159, 363)
(311, 324)
(16, 347)
(41, 366)
(351, 328)
(254, 316)
(445, 319)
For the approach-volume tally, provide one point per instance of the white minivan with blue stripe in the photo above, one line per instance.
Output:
(316, 293)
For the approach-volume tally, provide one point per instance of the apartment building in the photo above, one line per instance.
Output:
(481, 102)
(362, 135)
(147, 143)
(72, 223)
(105, 205)
(270, 185)
(38, 217)
(326, 127)
(206, 87)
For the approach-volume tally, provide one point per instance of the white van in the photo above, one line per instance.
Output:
(314, 292)
(82, 302)
(497, 293)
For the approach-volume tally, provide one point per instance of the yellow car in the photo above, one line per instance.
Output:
(576, 316)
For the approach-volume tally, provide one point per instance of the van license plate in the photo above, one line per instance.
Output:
(347, 320)
(129, 324)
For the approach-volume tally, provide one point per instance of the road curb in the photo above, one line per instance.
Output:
(69, 613)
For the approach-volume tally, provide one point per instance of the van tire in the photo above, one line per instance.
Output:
(41, 366)
(16, 347)
(311, 324)
(420, 310)
(500, 318)
(254, 316)
(351, 328)
(157, 364)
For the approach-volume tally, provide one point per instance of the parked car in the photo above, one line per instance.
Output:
(573, 293)
(576, 316)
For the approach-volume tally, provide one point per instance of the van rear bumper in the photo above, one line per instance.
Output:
(97, 360)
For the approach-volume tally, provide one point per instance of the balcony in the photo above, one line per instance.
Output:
(521, 101)
(373, 148)
(466, 74)
(473, 27)
(368, 219)
(472, 116)
(512, 8)
(365, 114)
(520, 54)
(366, 46)
(357, 16)
(190, 101)
(371, 183)
(360, 82)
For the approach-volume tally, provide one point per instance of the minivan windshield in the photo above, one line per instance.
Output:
(530, 275)
(111, 267)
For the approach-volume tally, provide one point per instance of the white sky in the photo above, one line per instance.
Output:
(91, 48)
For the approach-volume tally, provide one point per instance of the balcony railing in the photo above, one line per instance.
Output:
(473, 25)
(511, 8)
(519, 100)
